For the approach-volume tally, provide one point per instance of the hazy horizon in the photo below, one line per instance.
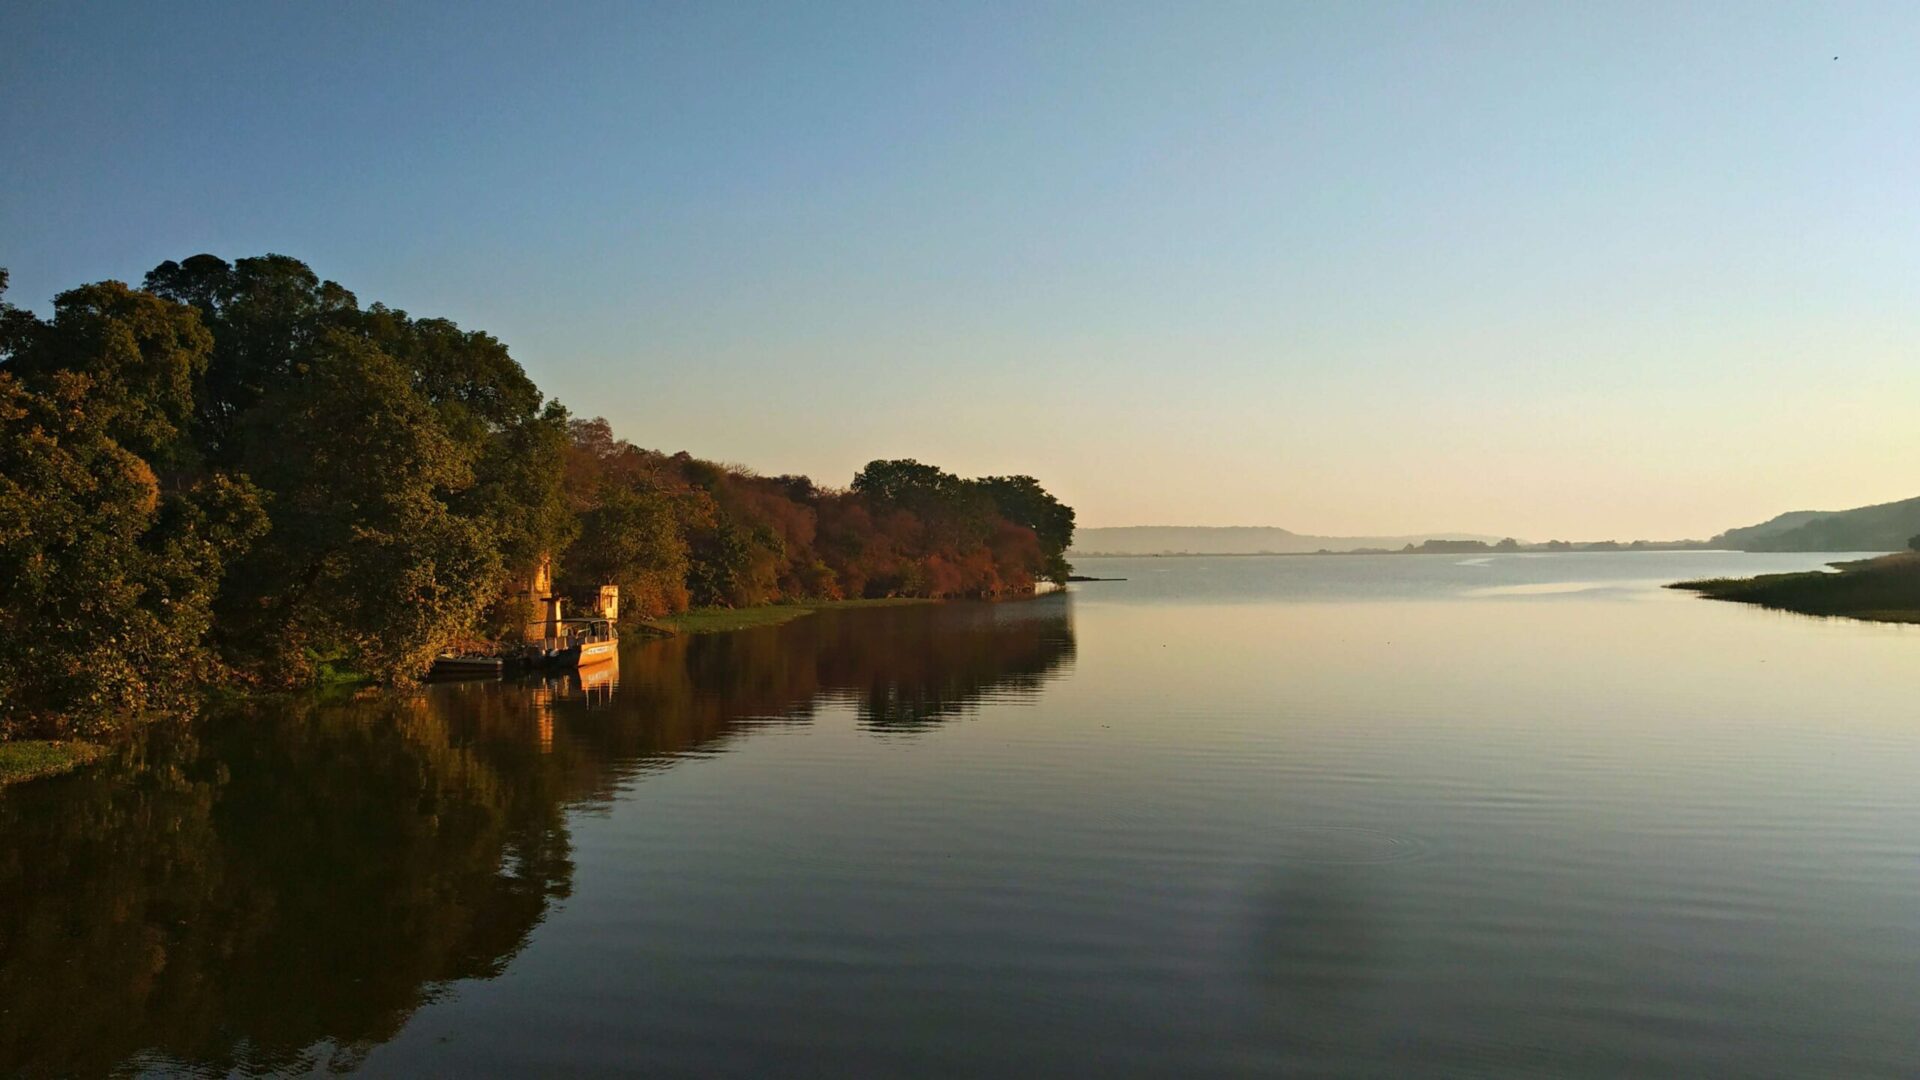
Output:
(1546, 272)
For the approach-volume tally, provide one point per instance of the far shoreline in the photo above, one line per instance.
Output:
(1622, 549)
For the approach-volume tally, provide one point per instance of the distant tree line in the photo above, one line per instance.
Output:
(237, 473)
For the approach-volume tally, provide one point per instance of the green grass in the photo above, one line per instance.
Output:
(1886, 589)
(333, 671)
(31, 759)
(721, 620)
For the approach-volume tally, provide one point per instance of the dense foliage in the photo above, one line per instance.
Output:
(673, 531)
(238, 472)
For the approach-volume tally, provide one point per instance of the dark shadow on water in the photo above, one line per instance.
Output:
(1309, 939)
(279, 886)
(1311, 958)
(230, 895)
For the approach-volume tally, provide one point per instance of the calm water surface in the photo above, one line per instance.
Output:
(1511, 815)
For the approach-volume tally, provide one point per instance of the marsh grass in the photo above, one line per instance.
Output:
(1886, 589)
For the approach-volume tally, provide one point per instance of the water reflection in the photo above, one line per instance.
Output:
(280, 886)
(902, 670)
(275, 888)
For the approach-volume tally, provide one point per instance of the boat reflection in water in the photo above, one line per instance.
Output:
(593, 685)
(281, 884)
(596, 682)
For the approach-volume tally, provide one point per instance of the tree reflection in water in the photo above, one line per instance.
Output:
(280, 885)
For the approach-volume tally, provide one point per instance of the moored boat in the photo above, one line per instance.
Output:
(583, 642)
(466, 667)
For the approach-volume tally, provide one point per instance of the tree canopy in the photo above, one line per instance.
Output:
(237, 472)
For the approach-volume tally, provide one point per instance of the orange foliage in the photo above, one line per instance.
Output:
(752, 539)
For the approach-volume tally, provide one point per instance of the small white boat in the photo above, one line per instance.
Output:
(584, 642)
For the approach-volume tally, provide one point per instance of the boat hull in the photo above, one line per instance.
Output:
(466, 667)
(584, 655)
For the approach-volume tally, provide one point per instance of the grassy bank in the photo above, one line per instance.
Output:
(720, 620)
(31, 759)
(1886, 589)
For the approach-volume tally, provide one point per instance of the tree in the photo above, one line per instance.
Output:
(630, 538)
(265, 315)
(731, 565)
(365, 554)
(240, 456)
(106, 585)
(1022, 501)
(518, 494)
(905, 482)
(107, 569)
(435, 466)
(143, 357)
(17, 327)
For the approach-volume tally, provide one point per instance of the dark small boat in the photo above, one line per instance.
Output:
(466, 667)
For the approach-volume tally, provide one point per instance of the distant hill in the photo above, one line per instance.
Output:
(1883, 527)
(1234, 540)
(1738, 539)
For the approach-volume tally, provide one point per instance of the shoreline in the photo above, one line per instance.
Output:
(719, 620)
(25, 760)
(1373, 552)
(1883, 589)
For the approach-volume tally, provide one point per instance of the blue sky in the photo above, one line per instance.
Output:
(1549, 270)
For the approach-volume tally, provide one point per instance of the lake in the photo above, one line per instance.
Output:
(1350, 816)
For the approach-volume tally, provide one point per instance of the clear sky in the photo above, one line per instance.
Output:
(1554, 270)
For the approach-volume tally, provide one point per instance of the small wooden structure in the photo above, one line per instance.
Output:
(553, 640)
(550, 639)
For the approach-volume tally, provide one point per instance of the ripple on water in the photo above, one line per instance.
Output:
(1343, 845)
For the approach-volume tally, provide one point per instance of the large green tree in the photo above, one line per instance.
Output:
(106, 584)
(365, 553)
(412, 466)
(1022, 501)
(630, 537)
(266, 314)
(143, 357)
(108, 568)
